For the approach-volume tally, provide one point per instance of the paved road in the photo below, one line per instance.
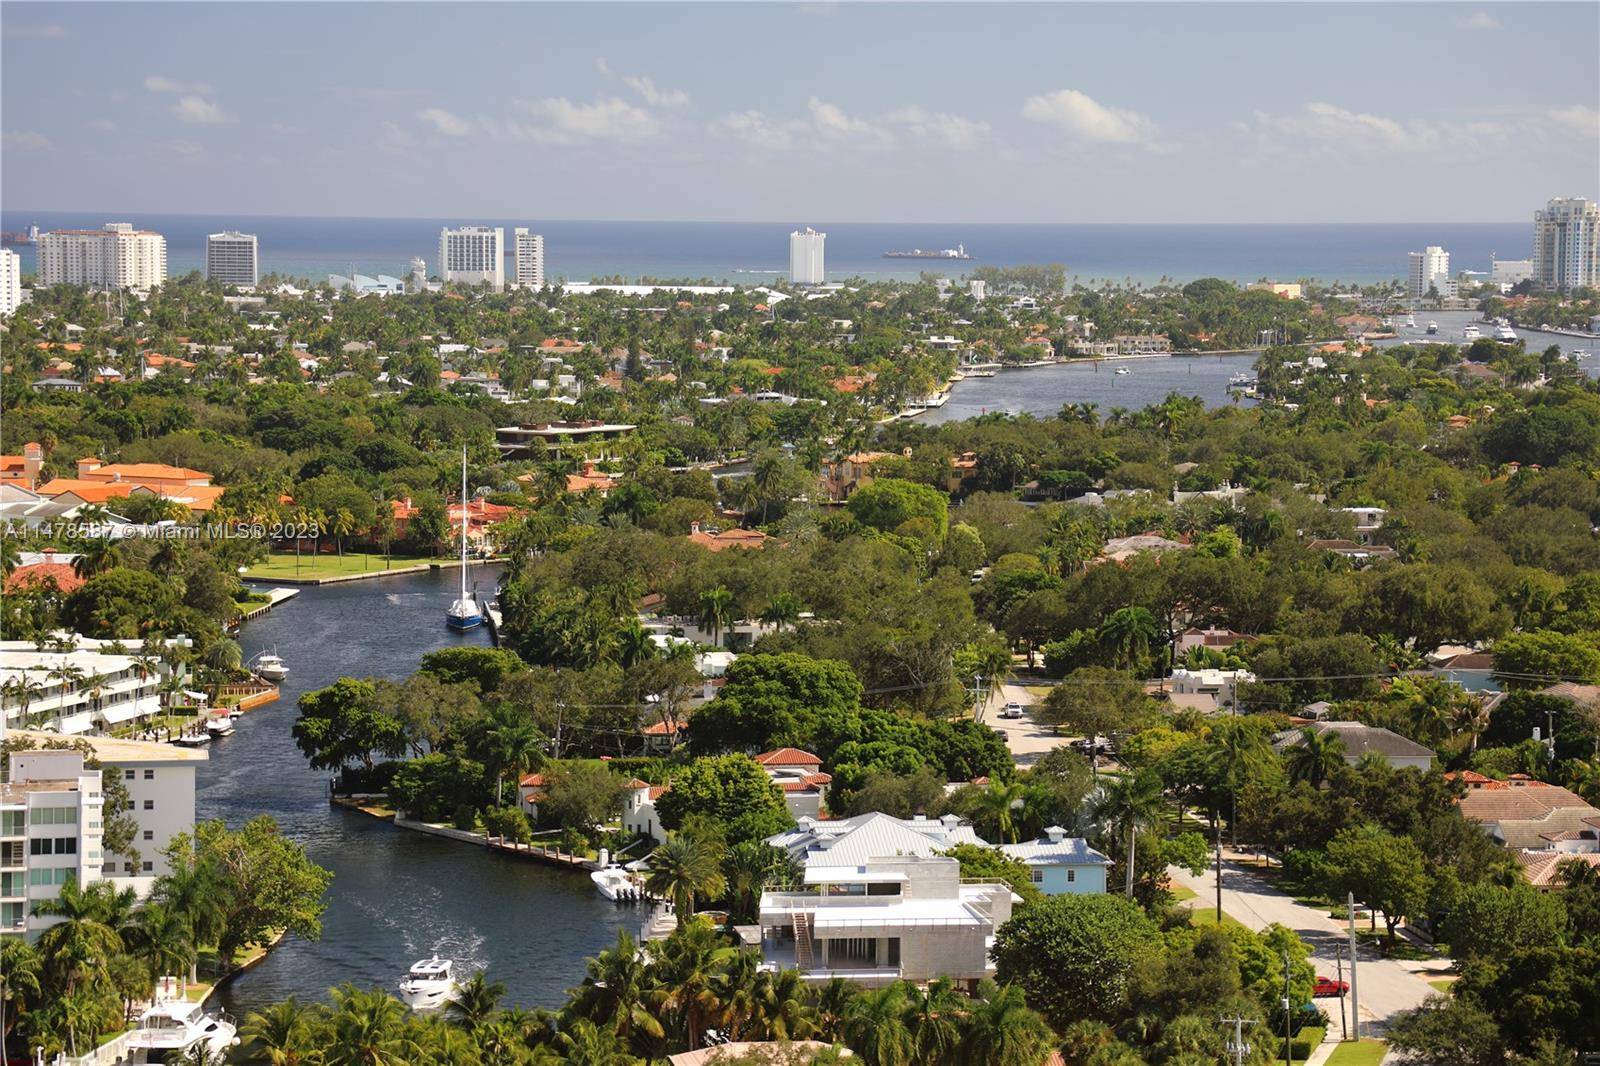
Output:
(1026, 738)
(1386, 986)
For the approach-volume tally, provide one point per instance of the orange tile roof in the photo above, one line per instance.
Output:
(40, 574)
(728, 538)
(788, 757)
(88, 491)
(146, 471)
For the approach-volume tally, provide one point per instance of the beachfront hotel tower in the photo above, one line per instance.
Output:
(1429, 269)
(473, 255)
(529, 258)
(231, 258)
(1566, 243)
(805, 256)
(115, 257)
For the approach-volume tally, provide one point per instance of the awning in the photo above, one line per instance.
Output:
(198, 697)
(75, 723)
(120, 713)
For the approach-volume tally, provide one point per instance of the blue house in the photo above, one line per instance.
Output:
(1061, 865)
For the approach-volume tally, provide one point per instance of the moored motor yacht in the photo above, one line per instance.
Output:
(269, 666)
(428, 985)
(170, 1028)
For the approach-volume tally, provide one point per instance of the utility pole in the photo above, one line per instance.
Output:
(1355, 998)
(1237, 1048)
(1219, 871)
(1288, 1014)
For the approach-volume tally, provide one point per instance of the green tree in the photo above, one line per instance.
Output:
(682, 868)
(1383, 870)
(342, 723)
(1314, 757)
(1490, 921)
(1072, 955)
(1127, 805)
(733, 790)
(887, 504)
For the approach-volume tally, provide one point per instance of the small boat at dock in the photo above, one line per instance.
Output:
(171, 1029)
(269, 666)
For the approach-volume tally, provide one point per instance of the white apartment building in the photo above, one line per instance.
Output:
(805, 256)
(160, 779)
(529, 258)
(473, 255)
(231, 258)
(115, 257)
(50, 831)
(1566, 243)
(1507, 272)
(1429, 269)
(10, 281)
(76, 691)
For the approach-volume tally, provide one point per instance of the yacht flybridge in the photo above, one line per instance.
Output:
(428, 985)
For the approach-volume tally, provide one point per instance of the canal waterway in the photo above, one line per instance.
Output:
(1043, 390)
(396, 895)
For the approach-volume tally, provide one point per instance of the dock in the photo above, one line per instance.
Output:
(275, 596)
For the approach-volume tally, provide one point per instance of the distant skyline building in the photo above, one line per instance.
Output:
(805, 256)
(1429, 269)
(231, 258)
(417, 277)
(529, 257)
(473, 255)
(10, 281)
(1510, 271)
(114, 257)
(1566, 243)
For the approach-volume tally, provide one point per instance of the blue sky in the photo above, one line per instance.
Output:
(849, 112)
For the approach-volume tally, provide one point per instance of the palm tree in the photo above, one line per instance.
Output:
(584, 1044)
(1127, 805)
(634, 645)
(750, 866)
(475, 1003)
(24, 690)
(783, 1013)
(190, 889)
(1003, 1031)
(617, 989)
(687, 965)
(1236, 750)
(1128, 632)
(96, 557)
(1315, 757)
(160, 938)
(282, 1033)
(716, 612)
(21, 970)
(933, 1016)
(875, 1028)
(832, 1004)
(682, 868)
(367, 1028)
(81, 945)
(341, 525)
(69, 676)
(998, 805)
(783, 609)
(512, 745)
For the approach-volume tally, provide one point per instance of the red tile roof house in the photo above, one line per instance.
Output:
(799, 775)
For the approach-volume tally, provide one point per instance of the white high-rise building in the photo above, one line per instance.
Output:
(10, 281)
(116, 257)
(1566, 243)
(805, 256)
(530, 258)
(231, 258)
(473, 255)
(51, 810)
(1430, 269)
(417, 277)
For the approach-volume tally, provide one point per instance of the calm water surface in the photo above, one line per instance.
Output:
(396, 895)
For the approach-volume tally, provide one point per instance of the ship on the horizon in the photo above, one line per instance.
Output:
(958, 252)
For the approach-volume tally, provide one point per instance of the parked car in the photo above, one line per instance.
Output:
(1012, 710)
(1327, 986)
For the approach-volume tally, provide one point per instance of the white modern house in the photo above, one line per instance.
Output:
(80, 690)
(1368, 521)
(473, 255)
(805, 256)
(50, 830)
(529, 248)
(231, 258)
(1207, 689)
(114, 257)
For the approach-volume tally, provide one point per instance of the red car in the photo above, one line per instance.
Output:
(1327, 986)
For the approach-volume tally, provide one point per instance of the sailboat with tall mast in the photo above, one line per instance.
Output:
(463, 613)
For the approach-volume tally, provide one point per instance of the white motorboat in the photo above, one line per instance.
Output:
(193, 740)
(171, 1027)
(1411, 321)
(220, 726)
(428, 985)
(1123, 370)
(1469, 332)
(618, 885)
(1576, 354)
(1505, 334)
(1433, 327)
(268, 665)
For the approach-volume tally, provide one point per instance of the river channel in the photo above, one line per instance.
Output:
(396, 895)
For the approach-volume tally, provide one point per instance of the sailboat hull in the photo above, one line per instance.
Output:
(462, 624)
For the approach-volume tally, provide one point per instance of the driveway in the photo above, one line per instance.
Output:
(1386, 986)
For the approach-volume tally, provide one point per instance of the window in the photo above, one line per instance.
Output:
(1036, 875)
(891, 888)
(53, 816)
(149, 834)
(149, 775)
(149, 805)
(128, 775)
(11, 822)
(1072, 875)
(148, 866)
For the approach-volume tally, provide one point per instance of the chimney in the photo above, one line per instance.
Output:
(906, 452)
(32, 461)
(694, 527)
(88, 465)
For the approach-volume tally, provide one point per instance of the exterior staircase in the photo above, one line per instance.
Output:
(802, 941)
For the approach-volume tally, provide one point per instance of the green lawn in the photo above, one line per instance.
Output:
(1180, 893)
(282, 564)
(1207, 915)
(1443, 984)
(1358, 1053)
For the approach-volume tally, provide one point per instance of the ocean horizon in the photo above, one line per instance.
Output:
(751, 252)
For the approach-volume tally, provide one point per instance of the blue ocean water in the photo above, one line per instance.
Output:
(748, 252)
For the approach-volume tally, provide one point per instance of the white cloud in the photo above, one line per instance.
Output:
(758, 130)
(446, 123)
(654, 96)
(394, 140)
(942, 130)
(1322, 121)
(1578, 120)
(1085, 118)
(830, 120)
(49, 31)
(602, 67)
(1479, 20)
(569, 122)
(200, 111)
(25, 141)
(160, 83)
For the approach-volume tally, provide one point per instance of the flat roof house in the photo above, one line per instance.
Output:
(529, 440)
